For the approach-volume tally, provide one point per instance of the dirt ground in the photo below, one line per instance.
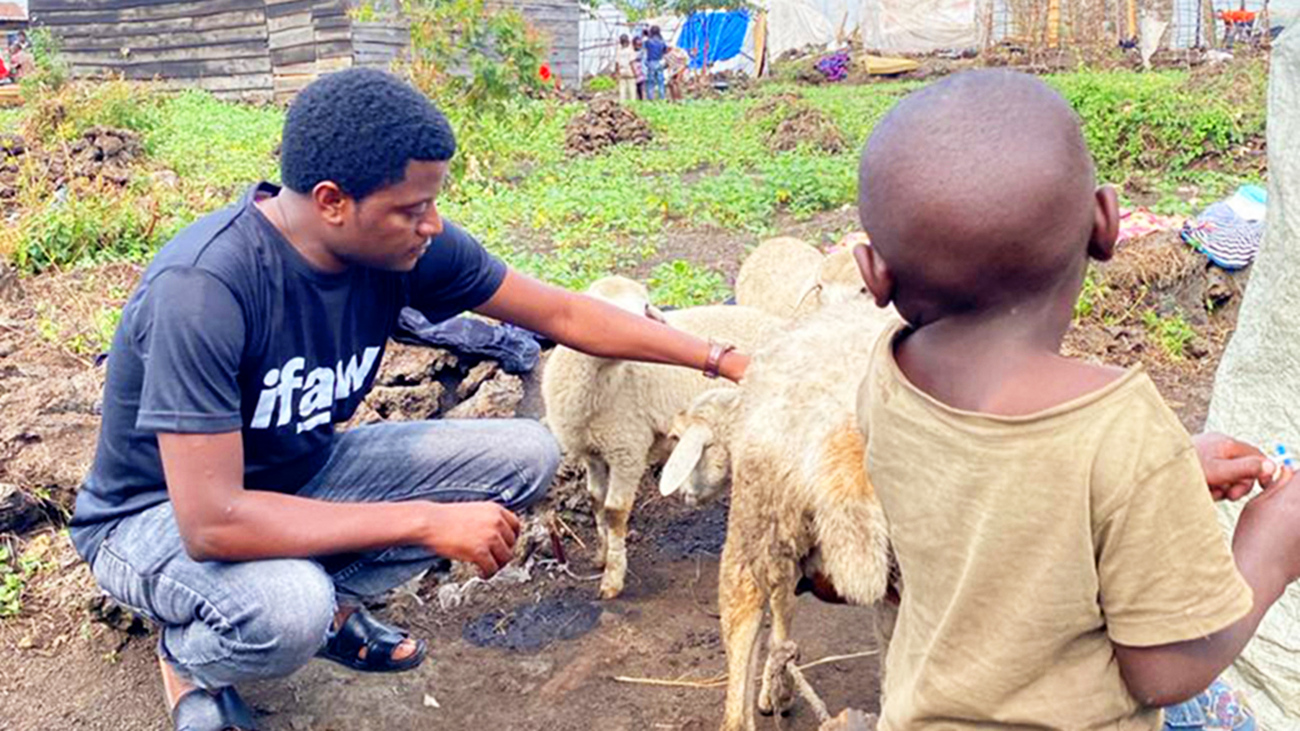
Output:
(536, 654)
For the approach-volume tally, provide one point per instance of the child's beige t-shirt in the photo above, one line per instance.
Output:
(1029, 544)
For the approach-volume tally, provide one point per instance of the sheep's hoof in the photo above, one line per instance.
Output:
(776, 693)
(610, 589)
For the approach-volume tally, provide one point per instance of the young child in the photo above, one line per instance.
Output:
(1061, 561)
(638, 66)
(625, 69)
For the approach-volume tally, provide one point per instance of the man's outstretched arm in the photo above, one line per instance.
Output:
(221, 521)
(598, 328)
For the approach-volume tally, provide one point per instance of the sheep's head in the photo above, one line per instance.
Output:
(837, 280)
(625, 294)
(700, 465)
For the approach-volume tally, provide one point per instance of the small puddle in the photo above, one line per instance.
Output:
(530, 627)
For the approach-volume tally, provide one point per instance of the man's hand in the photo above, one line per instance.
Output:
(1232, 467)
(480, 533)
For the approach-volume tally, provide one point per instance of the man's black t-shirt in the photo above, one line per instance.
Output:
(231, 329)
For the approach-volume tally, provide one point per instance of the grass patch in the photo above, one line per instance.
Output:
(1171, 332)
(570, 220)
(683, 284)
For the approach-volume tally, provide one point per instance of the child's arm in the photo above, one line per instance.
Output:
(1266, 547)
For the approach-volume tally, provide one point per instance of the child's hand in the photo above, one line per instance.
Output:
(1231, 467)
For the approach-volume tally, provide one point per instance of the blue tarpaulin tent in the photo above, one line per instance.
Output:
(721, 33)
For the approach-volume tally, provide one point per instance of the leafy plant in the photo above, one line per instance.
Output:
(13, 580)
(1171, 332)
(465, 52)
(601, 83)
(1094, 291)
(52, 70)
(680, 283)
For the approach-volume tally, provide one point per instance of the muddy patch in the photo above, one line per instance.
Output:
(532, 626)
(698, 533)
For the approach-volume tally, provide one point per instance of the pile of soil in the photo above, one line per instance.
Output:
(416, 383)
(605, 123)
(101, 153)
(794, 121)
(807, 125)
(12, 149)
(1159, 275)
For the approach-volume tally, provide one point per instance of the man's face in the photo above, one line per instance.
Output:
(392, 228)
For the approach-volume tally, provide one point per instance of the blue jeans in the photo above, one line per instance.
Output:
(1219, 708)
(225, 623)
(654, 80)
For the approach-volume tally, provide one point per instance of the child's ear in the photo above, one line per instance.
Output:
(876, 275)
(1105, 224)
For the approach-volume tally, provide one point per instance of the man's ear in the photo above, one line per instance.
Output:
(1105, 224)
(332, 204)
(875, 273)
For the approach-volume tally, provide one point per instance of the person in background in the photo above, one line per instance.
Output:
(638, 66)
(655, 48)
(676, 62)
(625, 62)
(21, 62)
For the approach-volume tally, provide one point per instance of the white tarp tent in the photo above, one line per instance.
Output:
(796, 24)
(919, 26)
(598, 33)
(1257, 387)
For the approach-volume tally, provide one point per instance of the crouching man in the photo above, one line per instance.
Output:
(222, 504)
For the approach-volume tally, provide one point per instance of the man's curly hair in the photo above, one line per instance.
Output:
(359, 128)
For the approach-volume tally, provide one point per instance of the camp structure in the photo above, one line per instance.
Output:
(258, 50)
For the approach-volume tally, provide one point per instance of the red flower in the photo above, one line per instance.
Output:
(544, 72)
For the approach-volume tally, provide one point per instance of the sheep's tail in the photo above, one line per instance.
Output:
(852, 534)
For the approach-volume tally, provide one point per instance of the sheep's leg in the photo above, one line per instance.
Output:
(781, 600)
(598, 489)
(618, 508)
(740, 602)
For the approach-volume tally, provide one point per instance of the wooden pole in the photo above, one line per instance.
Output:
(1132, 19)
(1053, 23)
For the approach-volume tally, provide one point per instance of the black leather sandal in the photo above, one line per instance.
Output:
(380, 640)
(199, 710)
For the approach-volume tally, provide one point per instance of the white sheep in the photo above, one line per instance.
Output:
(775, 276)
(801, 503)
(789, 278)
(613, 415)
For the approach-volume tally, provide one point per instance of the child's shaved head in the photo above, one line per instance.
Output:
(978, 191)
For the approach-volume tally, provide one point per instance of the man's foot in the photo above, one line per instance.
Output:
(195, 709)
(405, 649)
(174, 686)
(361, 642)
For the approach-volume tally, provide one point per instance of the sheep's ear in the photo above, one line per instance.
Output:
(690, 448)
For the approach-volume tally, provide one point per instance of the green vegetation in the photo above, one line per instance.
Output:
(1171, 332)
(682, 284)
(14, 574)
(1175, 135)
